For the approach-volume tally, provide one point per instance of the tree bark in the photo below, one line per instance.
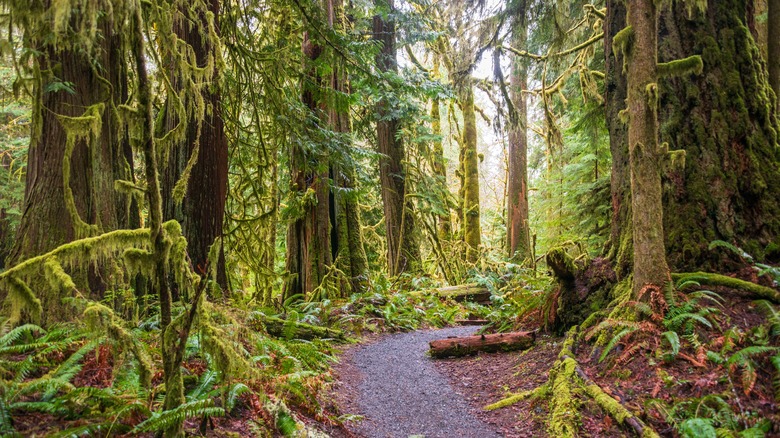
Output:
(327, 228)
(773, 48)
(403, 252)
(444, 228)
(650, 268)
(518, 233)
(620, 248)
(472, 233)
(501, 342)
(95, 162)
(202, 210)
(725, 122)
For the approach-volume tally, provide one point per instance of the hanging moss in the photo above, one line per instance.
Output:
(21, 298)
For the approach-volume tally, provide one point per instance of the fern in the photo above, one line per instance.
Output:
(166, 419)
(614, 341)
(14, 335)
(733, 248)
(772, 316)
(233, 394)
(674, 343)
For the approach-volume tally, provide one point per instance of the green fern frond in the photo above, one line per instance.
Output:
(233, 394)
(166, 419)
(614, 341)
(15, 334)
(674, 343)
(733, 248)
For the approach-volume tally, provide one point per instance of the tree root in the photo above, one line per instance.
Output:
(562, 387)
(706, 278)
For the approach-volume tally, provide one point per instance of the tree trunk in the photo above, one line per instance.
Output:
(403, 252)
(725, 122)
(71, 195)
(650, 268)
(620, 249)
(470, 165)
(517, 229)
(328, 224)
(444, 228)
(500, 342)
(201, 212)
(773, 48)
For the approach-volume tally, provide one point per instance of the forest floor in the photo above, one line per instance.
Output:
(389, 387)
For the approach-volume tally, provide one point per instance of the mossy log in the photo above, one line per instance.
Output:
(465, 292)
(708, 279)
(610, 405)
(283, 328)
(457, 347)
(460, 293)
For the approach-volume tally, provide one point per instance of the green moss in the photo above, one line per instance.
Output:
(564, 406)
(692, 65)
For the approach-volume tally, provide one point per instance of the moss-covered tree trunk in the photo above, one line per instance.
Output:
(517, 229)
(725, 122)
(308, 235)
(77, 148)
(472, 233)
(201, 211)
(645, 155)
(620, 249)
(444, 228)
(327, 228)
(773, 49)
(403, 251)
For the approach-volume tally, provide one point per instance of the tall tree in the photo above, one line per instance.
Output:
(439, 169)
(517, 230)
(723, 119)
(198, 158)
(620, 248)
(78, 147)
(403, 252)
(472, 232)
(327, 224)
(640, 40)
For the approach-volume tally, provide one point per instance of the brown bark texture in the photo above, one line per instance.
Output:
(403, 252)
(645, 155)
(202, 210)
(620, 249)
(518, 232)
(500, 342)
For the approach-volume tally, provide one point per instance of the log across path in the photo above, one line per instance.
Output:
(401, 394)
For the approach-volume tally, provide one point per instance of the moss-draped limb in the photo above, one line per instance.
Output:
(709, 279)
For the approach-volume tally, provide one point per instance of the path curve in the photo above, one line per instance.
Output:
(400, 392)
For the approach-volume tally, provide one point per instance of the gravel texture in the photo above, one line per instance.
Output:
(401, 393)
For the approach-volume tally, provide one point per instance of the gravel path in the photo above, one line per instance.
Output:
(401, 393)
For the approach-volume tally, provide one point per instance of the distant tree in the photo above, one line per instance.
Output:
(773, 40)
(517, 230)
(403, 251)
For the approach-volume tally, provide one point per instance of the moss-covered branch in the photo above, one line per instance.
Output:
(681, 67)
(284, 328)
(708, 279)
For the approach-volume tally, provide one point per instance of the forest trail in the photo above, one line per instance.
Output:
(395, 386)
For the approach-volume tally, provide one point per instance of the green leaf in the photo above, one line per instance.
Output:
(698, 428)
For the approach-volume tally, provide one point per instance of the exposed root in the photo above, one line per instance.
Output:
(705, 278)
(566, 380)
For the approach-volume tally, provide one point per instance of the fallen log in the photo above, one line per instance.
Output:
(464, 292)
(286, 329)
(457, 347)
(610, 405)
